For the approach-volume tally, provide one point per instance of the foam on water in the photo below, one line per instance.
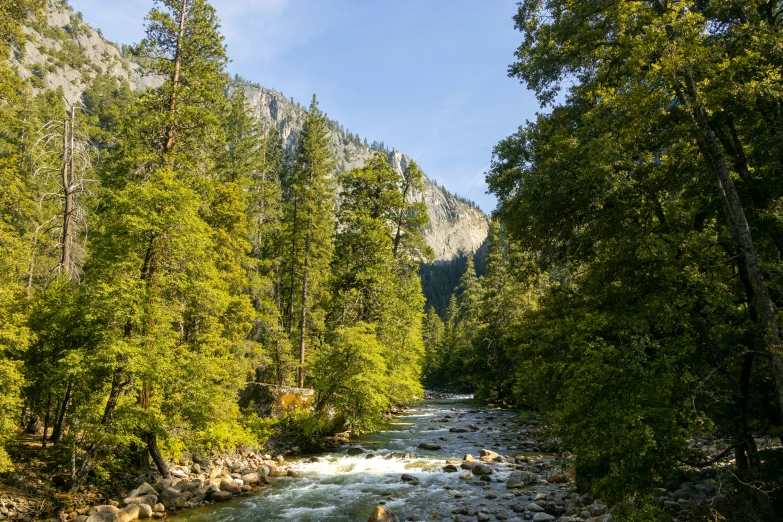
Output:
(341, 487)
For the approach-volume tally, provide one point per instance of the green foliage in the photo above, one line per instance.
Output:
(641, 330)
(211, 257)
(352, 376)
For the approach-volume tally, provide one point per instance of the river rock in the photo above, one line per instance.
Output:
(355, 451)
(429, 446)
(450, 468)
(382, 514)
(103, 516)
(145, 511)
(520, 479)
(251, 478)
(292, 473)
(132, 510)
(482, 469)
(220, 496)
(150, 500)
(230, 486)
(144, 489)
(535, 508)
(487, 455)
(469, 464)
(543, 517)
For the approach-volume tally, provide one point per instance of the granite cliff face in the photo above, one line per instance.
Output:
(64, 52)
(61, 51)
(456, 226)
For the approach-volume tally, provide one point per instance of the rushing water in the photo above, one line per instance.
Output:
(346, 488)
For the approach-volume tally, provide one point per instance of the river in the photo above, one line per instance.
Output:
(347, 487)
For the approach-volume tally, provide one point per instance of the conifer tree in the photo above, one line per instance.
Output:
(15, 210)
(310, 224)
(168, 260)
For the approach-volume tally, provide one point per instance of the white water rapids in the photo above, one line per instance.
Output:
(346, 488)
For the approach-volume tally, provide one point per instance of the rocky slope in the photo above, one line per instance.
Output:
(455, 227)
(62, 51)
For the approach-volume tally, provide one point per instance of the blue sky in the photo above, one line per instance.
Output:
(427, 77)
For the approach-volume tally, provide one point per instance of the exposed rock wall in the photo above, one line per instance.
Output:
(455, 228)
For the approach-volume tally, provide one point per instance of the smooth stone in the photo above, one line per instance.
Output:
(220, 496)
(382, 514)
(428, 446)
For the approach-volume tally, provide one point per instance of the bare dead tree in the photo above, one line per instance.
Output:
(62, 164)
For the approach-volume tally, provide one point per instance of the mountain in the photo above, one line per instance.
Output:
(62, 51)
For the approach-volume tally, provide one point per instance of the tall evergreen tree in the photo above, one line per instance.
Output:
(15, 210)
(168, 273)
(310, 224)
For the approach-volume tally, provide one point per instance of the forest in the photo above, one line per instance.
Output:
(633, 276)
(160, 249)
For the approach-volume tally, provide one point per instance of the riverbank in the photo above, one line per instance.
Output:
(449, 457)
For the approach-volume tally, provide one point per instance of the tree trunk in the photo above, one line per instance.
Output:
(59, 421)
(747, 455)
(117, 387)
(175, 80)
(152, 447)
(400, 219)
(46, 421)
(65, 259)
(738, 226)
(303, 316)
(293, 271)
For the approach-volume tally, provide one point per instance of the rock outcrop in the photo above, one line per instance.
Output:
(456, 226)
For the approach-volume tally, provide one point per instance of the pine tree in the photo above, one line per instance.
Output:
(310, 227)
(15, 213)
(168, 260)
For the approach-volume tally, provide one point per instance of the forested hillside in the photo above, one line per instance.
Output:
(161, 246)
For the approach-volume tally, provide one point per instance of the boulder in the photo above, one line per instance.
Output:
(469, 465)
(535, 508)
(132, 510)
(355, 451)
(408, 478)
(230, 486)
(292, 473)
(428, 446)
(170, 493)
(543, 517)
(520, 479)
(103, 516)
(103, 509)
(450, 468)
(145, 511)
(382, 514)
(482, 469)
(251, 478)
(144, 489)
(488, 455)
(468, 458)
(220, 496)
(150, 500)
